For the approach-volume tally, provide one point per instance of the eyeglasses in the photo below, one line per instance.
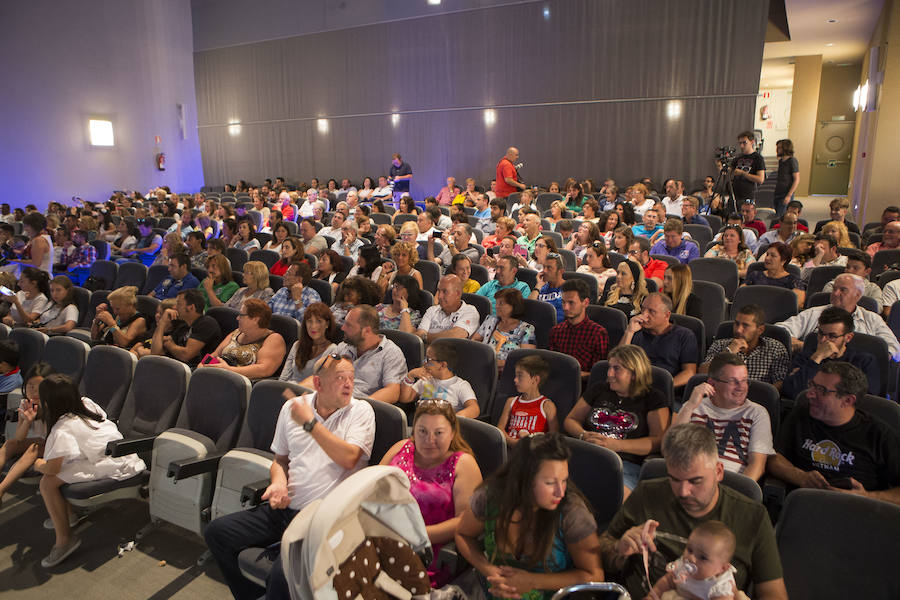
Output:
(598, 244)
(633, 252)
(830, 336)
(732, 382)
(821, 390)
(334, 357)
(553, 255)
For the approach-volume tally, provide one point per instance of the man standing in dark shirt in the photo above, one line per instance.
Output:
(401, 174)
(788, 175)
(748, 170)
(829, 444)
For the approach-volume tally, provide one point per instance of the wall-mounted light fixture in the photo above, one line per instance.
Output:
(101, 132)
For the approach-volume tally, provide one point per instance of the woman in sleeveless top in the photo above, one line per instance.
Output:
(252, 350)
(538, 532)
(38, 252)
(442, 474)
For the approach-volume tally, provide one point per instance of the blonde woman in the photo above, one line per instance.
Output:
(629, 289)
(404, 256)
(802, 249)
(838, 231)
(677, 285)
(172, 245)
(256, 285)
(117, 321)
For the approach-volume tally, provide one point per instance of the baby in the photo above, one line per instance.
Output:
(704, 571)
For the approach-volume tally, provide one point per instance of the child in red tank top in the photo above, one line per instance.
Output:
(530, 412)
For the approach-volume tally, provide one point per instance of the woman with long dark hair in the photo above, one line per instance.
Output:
(539, 533)
(32, 298)
(318, 335)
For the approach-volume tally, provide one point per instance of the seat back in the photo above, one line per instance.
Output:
(487, 443)
(563, 385)
(31, 346)
(545, 199)
(83, 303)
(155, 395)
(214, 406)
(654, 468)
(477, 364)
(390, 428)
(155, 275)
(147, 305)
(701, 234)
(266, 402)
(107, 377)
(862, 342)
(481, 304)
(713, 303)
(267, 257)
(527, 276)
(612, 319)
(697, 328)
(289, 329)
(589, 279)
(857, 522)
(431, 274)
(131, 273)
(819, 276)
(410, 344)
(597, 472)
(102, 248)
(660, 379)
(236, 257)
(882, 259)
(780, 304)
(717, 270)
(323, 288)
(669, 260)
(66, 355)
(105, 272)
(543, 316)
(480, 274)
(226, 318)
(726, 330)
(764, 394)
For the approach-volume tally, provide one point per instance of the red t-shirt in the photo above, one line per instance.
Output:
(527, 415)
(655, 268)
(505, 169)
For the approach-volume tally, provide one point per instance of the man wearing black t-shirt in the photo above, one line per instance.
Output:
(829, 444)
(192, 337)
(748, 170)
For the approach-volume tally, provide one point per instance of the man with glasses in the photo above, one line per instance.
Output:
(890, 239)
(673, 244)
(320, 439)
(785, 232)
(294, 296)
(504, 277)
(552, 279)
(532, 231)
(670, 346)
(829, 443)
(766, 358)
(848, 289)
(457, 242)
(742, 427)
(674, 200)
(749, 169)
(639, 251)
(860, 263)
(833, 335)
(690, 210)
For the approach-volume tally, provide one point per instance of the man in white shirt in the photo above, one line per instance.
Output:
(742, 427)
(384, 191)
(320, 439)
(848, 289)
(674, 197)
(426, 226)
(451, 317)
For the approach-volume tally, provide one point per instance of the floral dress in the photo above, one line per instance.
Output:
(504, 342)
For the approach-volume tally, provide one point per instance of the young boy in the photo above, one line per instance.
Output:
(10, 377)
(530, 412)
(435, 381)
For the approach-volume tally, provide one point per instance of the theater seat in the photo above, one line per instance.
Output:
(597, 472)
(655, 468)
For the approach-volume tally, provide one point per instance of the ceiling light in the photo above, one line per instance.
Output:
(434, 2)
(234, 128)
(490, 117)
(101, 132)
(395, 119)
(322, 124)
(673, 109)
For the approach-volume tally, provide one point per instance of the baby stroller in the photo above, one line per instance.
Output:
(370, 515)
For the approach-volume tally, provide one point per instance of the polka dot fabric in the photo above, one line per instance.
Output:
(357, 576)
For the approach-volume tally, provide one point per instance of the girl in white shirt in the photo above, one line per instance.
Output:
(31, 299)
(61, 315)
(75, 451)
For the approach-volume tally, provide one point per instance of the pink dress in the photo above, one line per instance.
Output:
(433, 490)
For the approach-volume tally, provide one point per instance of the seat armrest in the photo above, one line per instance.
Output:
(774, 492)
(190, 467)
(117, 448)
(251, 494)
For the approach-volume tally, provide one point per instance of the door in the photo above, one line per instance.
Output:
(831, 157)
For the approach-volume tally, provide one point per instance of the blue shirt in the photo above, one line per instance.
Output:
(684, 252)
(697, 220)
(641, 231)
(553, 296)
(169, 287)
(10, 381)
(483, 214)
(282, 303)
(490, 289)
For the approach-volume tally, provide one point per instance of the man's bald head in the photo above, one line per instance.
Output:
(512, 153)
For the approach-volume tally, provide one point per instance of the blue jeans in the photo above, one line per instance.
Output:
(259, 527)
(630, 473)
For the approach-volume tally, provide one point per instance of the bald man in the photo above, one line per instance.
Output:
(507, 176)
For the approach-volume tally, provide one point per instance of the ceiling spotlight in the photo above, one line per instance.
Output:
(234, 128)
(322, 124)
(490, 117)
(434, 2)
(395, 119)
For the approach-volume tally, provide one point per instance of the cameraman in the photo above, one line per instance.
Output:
(748, 170)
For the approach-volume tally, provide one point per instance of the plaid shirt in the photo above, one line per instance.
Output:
(768, 362)
(82, 256)
(587, 341)
(282, 303)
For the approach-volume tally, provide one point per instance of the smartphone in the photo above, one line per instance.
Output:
(209, 359)
(437, 234)
(842, 483)
(6, 291)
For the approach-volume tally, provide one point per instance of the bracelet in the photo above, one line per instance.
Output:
(408, 380)
(405, 310)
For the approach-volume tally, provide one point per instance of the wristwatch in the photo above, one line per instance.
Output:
(308, 426)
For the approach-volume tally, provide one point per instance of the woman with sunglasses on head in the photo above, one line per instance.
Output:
(596, 263)
(731, 246)
(442, 472)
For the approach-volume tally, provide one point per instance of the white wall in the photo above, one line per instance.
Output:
(128, 60)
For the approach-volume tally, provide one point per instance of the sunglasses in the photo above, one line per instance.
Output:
(332, 357)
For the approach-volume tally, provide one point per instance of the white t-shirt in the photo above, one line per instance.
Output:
(454, 390)
(38, 304)
(739, 431)
(53, 316)
(891, 292)
(436, 320)
(311, 472)
(82, 445)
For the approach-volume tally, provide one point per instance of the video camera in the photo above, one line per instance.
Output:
(725, 154)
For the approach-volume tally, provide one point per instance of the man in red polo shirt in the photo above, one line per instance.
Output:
(654, 268)
(507, 177)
